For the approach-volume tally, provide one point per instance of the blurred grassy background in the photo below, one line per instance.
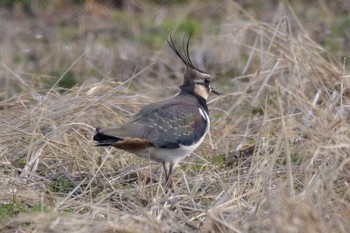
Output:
(279, 159)
(43, 39)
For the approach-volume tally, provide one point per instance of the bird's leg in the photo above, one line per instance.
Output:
(169, 181)
(168, 176)
(165, 171)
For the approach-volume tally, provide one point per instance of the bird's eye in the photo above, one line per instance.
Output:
(207, 81)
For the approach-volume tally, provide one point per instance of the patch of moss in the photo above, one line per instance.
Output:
(66, 82)
(8, 210)
(21, 161)
(61, 184)
(218, 161)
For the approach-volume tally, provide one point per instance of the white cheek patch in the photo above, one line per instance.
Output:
(201, 91)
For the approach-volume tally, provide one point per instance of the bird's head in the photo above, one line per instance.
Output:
(196, 81)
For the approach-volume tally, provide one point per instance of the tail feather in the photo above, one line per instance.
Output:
(104, 140)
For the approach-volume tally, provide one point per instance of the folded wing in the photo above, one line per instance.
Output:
(164, 124)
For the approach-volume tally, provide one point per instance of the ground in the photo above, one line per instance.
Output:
(277, 158)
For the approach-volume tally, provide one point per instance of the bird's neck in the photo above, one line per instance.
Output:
(201, 101)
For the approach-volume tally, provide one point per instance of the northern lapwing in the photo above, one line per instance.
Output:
(169, 130)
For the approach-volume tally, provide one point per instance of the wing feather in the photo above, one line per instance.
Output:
(165, 124)
(172, 126)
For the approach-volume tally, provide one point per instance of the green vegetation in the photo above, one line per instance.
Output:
(155, 37)
(278, 159)
(61, 184)
(66, 81)
(12, 209)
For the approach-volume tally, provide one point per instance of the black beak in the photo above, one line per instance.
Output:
(215, 91)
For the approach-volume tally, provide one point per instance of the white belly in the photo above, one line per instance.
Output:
(174, 155)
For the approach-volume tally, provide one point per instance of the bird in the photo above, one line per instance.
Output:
(169, 130)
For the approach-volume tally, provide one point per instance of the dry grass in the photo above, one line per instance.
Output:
(279, 159)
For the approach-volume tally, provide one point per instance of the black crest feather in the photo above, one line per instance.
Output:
(185, 56)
